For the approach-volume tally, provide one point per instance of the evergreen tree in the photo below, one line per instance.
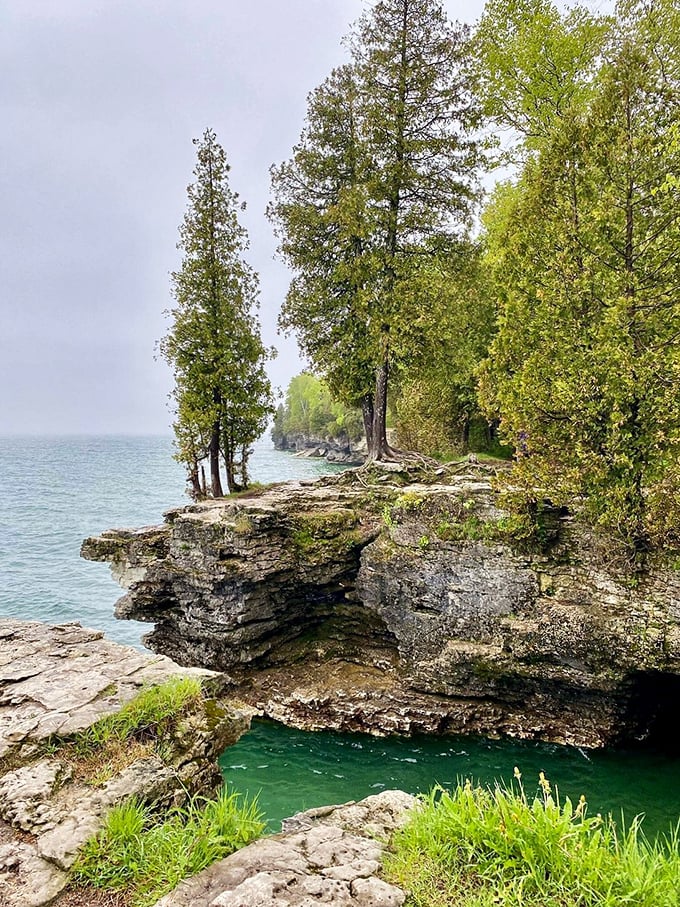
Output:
(585, 368)
(320, 210)
(222, 393)
(387, 168)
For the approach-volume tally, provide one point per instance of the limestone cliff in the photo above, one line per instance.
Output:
(398, 603)
(335, 450)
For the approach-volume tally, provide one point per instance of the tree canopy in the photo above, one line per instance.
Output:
(584, 249)
(559, 316)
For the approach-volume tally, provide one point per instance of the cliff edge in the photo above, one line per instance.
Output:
(404, 601)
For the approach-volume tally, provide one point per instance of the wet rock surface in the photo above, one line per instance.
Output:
(390, 602)
(330, 855)
(60, 680)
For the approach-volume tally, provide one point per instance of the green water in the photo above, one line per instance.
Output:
(293, 770)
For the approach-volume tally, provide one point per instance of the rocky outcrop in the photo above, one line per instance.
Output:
(330, 855)
(56, 682)
(335, 450)
(246, 581)
(395, 602)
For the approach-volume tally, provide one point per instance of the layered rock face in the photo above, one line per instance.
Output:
(398, 603)
(335, 450)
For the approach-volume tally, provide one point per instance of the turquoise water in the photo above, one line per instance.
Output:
(294, 770)
(56, 491)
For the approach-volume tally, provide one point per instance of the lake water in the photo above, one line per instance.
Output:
(56, 491)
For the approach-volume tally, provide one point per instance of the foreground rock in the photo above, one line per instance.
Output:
(398, 603)
(54, 683)
(330, 855)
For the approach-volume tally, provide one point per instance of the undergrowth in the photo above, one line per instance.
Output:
(146, 859)
(481, 847)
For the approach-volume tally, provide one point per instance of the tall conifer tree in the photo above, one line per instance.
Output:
(222, 393)
(409, 192)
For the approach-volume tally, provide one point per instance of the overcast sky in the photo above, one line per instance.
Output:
(99, 102)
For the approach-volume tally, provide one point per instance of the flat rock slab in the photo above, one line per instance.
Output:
(62, 679)
(324, 856)
(26, 880)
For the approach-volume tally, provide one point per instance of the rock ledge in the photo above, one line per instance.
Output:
(60, 680)
(330, 855)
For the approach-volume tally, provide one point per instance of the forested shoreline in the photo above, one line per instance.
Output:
(543, 316)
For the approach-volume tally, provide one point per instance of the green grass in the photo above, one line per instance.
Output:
(481, 847)
(136, 730)
(146, 859)
(150, 709)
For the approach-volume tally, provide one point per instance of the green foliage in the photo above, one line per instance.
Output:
(309, 410)
(382, 180)
(319, 213)
(325, 533)
(478, 847)
(387, 517)
(516, 529)
(408, 502)
(146, 859)
(534, 63)
(148, 712)
(451, 327)
(584, 370)
(222, 394)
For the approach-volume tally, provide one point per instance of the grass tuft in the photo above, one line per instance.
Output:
(117, 740)
(150, 709)
(478, 847)
(148, 859)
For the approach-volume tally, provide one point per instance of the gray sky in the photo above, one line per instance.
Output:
(99, 102)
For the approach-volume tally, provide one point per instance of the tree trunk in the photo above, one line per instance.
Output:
(194, 480)
(231, 478)
(379, 449)
(367, 413)
(465, 433)
(229, 446)
(243, 469)
(228, 455)
(215, 480)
